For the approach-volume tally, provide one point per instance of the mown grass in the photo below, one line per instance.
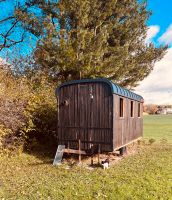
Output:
(158, 127)
(146, 175)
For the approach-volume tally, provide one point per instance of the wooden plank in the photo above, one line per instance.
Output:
(74, 151)
(85, 127)
(79, 145)
(86, 141)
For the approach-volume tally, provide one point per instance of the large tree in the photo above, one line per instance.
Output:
(91, 38)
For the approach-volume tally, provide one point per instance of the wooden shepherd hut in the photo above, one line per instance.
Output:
(97, 112)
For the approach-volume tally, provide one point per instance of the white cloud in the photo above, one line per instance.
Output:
(1, 61)
(151, 33)
(166, 38)
(157, 87)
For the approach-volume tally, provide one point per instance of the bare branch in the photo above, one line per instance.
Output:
(13, 42)
(6, 37)
(11, 28)
(10, 42)
(6, 19)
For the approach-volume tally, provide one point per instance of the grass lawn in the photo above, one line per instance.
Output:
(158, 127)
(146, 175)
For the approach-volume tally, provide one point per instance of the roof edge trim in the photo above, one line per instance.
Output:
(115, 89)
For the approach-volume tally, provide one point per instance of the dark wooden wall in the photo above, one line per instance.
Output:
(96, 120)
(84, 118)
(126, 128)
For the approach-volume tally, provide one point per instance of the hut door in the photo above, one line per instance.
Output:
(85, 114)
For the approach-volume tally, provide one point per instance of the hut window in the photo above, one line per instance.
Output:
(138, 109)
(132, 109)
(121, 107)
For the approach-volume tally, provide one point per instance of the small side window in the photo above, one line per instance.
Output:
(121, 107)
(132, 109)
(138, 109)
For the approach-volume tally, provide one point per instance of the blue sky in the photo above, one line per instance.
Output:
(157, 87)
(161, 15)
(7, 9)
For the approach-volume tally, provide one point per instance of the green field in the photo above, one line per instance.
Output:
(158, 127)
(145, 175)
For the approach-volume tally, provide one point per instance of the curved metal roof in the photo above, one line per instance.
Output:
(115, 89)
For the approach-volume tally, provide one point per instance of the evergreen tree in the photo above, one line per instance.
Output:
(91, 38)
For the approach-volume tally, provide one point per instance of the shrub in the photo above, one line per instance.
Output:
(27, 109)
(40, 114)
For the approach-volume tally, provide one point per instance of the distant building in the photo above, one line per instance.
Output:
(161, 111)
(164, 111)
(169, 110)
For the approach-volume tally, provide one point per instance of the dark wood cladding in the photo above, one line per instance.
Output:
(91, 112)
(88, 116)
(126, 128)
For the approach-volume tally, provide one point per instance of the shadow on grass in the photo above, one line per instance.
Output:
(46, 153)
(44, 149)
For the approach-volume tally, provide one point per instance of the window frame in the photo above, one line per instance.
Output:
(132, 109)
(139, 110)
(121, 107)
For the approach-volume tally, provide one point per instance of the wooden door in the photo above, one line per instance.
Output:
(87, 116)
